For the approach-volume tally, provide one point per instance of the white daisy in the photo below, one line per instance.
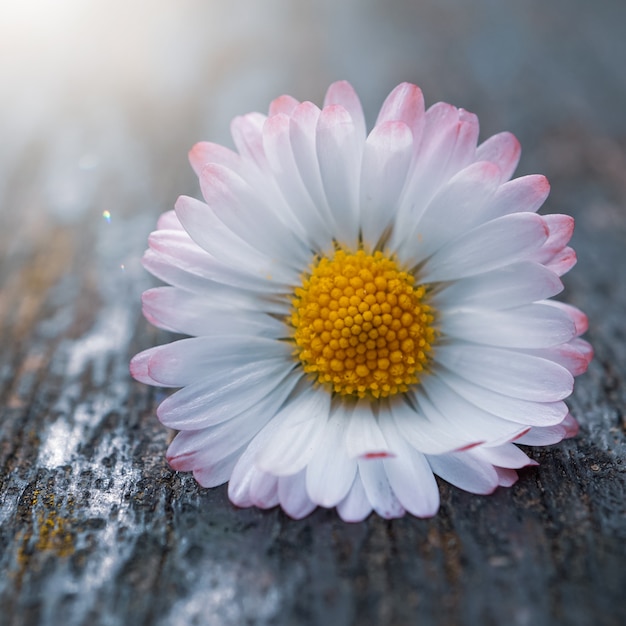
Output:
(365, 311)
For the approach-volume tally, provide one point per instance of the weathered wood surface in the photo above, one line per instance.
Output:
(100, 102)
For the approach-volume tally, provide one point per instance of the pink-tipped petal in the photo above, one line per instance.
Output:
(283, 104)
(343, 94)
(502, 149)
(247, 135)
(563, 261)
(139, 368)
(405, 104)
(561, 229)
(218, 472)
(206, 152)
(579, 319)
(169, 221)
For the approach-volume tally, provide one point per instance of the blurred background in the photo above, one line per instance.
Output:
(100, 102)
(99, 88)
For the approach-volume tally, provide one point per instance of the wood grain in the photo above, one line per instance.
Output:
(100, 104)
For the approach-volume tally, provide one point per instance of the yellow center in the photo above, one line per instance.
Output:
(361, 325)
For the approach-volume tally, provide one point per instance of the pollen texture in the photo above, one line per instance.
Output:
(361, 325)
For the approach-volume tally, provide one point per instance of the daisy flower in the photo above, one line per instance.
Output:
(365, 311)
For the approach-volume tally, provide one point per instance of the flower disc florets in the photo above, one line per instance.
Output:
(361, 325)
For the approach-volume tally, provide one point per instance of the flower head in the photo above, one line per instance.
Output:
(365, 310)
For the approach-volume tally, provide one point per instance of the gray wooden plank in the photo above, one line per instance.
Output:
(94, 526)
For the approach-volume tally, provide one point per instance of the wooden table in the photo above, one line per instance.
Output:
(100, 102)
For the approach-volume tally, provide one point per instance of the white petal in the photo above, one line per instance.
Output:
(277, 142)
(489, 246)
(364, 437)
(425, 434)
(466, 420)
(441, 126)
(506, 477)
(212, 277)
(169, 271)
(188, 360)
(193, 314)
(520, 195)
(506, 407)
(546, 436)
(449, 140)
(507, 455)
(465, 471)
(263, 490)
(355, 507)
(247, 135)
(456, 207)
(503, 288)
(378, 490)
(386, 158)
(295, 433)
(507, 372)
(410, 475)
(211, 234)
(303, 133)
(530, 326)
(245, 469)
(330, 472)
(242, 209)
(226, 393)
(339, 156)
(293, 496)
